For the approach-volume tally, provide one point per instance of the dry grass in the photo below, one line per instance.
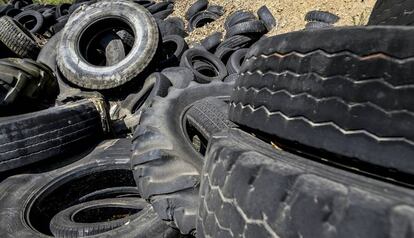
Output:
(289, 13)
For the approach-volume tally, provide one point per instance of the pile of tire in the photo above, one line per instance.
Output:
(113, 126)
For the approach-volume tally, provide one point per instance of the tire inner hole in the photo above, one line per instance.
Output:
(103, 214)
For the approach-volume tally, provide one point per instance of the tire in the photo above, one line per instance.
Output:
(79, 72)
(231, 78)
(180, 77)
(48, 52)
(200, 19)
(176, 21)
(62, 10)
(75, 221)
(15, 38)
(238, 17)
(113, 192)
(114, 48)
(211, 42)
(216, 9)
(267, 18)
(167, 170)
(216, 72)
(157, 7)
(167, 28)
(173, 48)
(36, 19)
(235, 61)
(315, 25)
(27, 82)
(392, 12)
(163, 14)
(321, 16)
(254, 28)
(127, 38)
(32, 137)
(61, 22)
(198, 6)
(275, 95)
(29, 196)
(251, 189)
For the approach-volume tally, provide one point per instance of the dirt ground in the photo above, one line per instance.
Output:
(289, 13)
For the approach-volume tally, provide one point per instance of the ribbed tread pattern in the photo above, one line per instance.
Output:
(18, 40)
(40, 135)
(249, 189)
(349, 98)
(392, 12)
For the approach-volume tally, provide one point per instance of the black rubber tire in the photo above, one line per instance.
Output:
(180, 77)
(168, 28)
(211, 42)
(315, 25)
(48, 53)
(32, 137)
(79, 72)
(113, 192)
(321, 16)
(157, 7)
(329, 101)
(254, 28)
(392, 12)
(176, 21)
(127, 38)
(24, 194)
(209, 116)
(167, 170)
(216, 66)
(198, 6)
(27, 82)
(64, 223)
(15, 38)
(236, 42)
(235, 61)
(238, 17)
(31, 15)
(114, 48)
(219, 10)
(172, 48)
(61, 22)
(267, 18)
(62, 10)
(251, 189)
(200, 19)
(164, 13)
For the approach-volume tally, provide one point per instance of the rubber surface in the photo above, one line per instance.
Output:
(235, 61)
(286, 92)
(267, 18)
(32, 137)
(254, 28)
(17, 39)
(165, 165)
(251, 189)
(392, 12)
(321, 16)
(211, 42)
(197, 6)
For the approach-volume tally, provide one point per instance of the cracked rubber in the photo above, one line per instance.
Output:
(392, 12)
(32, 137)
(15, 38)
(357, 103)
(250, 189)
(165, 164)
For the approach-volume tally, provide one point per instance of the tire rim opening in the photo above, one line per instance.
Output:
(103, 214)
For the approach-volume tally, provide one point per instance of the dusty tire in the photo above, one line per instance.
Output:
(238, 17)
(75, 220)
(172, 49)
(315, 25)
(267, 18)
(17, 39)
(392, 12)
(321, 16)
(211, 42)
(165, 164)
(36, 20)
(251, 189)
(48, 52)
(254, 28)
(27, 82)
(235, 61)
(78, 71)
(198, 6)
(32, 137)
(298, 99)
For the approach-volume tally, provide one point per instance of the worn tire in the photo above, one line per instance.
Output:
(78, 71)
(32, 137)
(219, 10)
(200, 19)
(251, 189)
(176, 21)
(211, 42)
(113, 192)
(173, 48)
(267, 18)
(315, 25)
(321, 16)
(235, 61)
(15, 38)
(48, 53)
(66, 224)
(290, 95)
(30, 16)
(238, 17)
(216, 69)
(165, 165)
(254, 28)
(198, 6)
(392, 12)
(27, 82)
